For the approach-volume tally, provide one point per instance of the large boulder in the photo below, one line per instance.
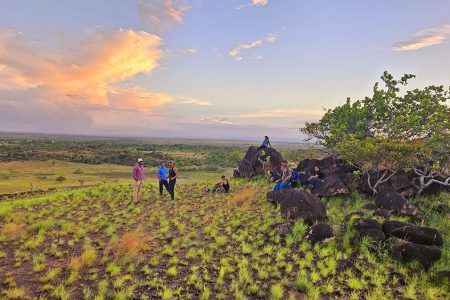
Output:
(373, 234)
(400, 182)
(319, 233)
(330, 186)
(412, 233)
(363, 224)
(329, 166)
(259, 161)
(299, 204)
(426, 255)
(392, 201)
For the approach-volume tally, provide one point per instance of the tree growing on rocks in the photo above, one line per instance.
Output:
(393, 122)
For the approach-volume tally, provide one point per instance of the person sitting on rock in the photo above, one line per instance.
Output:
(286, 174)
(265, 144)
(316, 175)
(223, 186)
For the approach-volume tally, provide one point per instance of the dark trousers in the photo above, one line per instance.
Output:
(163, 183)
(172, 188)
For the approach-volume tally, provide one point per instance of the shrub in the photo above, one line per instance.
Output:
(60, 178)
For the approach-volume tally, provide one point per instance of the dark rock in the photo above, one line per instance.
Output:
(236, 174)
(353, 214)
(392, 201)
(385, 214)
(363, 223)
(299, 204)
(319, 233)
(442, 208)
(413, 233)
(400, 182)
(329, 166)
(306, 164)
(426, 255)
(443, 276)
(258, 161)
(330, 186)
(375, 235)
(344, 264)
(369, 206)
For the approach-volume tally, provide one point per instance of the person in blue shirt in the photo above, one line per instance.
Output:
(162, 178)
(265, 144)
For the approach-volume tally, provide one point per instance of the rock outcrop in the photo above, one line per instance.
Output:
(299, 204)
(258, 162)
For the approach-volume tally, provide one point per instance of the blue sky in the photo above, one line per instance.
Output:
(215, 69)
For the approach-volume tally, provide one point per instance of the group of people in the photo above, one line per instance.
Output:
(290, 178)
(167, 177)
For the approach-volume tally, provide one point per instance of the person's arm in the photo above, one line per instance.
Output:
(135, 173)
(157, 174)
(176, 173)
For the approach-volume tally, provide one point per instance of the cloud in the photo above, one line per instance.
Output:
(162, 15)
(87, 75)
(91, 85)
(425, 38)
(236, 52)
(253, 3)
(260, 2)
(216, 121)
(283, 113)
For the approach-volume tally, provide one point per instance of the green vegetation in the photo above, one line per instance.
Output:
(390, 131)
(94, 243)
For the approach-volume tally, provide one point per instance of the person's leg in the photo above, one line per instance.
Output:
(277, 186)
(314, 181)
(172, 189)
(284, 185)
(160, 187)
(166, 184)
(137, 189)
(135, 192)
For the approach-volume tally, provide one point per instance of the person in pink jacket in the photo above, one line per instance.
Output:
(138, 176)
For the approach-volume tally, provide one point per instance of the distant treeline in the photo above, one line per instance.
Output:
(116, 151)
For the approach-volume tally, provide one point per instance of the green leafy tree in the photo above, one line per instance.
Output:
(418, 116)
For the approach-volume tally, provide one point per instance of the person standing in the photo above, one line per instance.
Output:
(173, 174)
(162, 178)
(138, 176)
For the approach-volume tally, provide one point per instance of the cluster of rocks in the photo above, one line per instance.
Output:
(408, 241)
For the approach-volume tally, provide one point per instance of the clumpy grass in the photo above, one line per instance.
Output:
(15, 293)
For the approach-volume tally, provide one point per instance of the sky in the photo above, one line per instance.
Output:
(226, 69)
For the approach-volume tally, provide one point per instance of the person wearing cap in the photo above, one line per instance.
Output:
(138, 176)
(223, 186)
(162, 174)
(173, 174)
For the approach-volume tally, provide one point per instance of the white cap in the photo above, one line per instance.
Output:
(140, 160)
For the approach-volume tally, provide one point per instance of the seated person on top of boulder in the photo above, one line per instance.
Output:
(316, 176)
(223, 186)
(286, 174)
(265, 144)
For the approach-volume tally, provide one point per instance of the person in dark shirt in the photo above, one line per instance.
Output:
(316, 176)
(223, 186)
